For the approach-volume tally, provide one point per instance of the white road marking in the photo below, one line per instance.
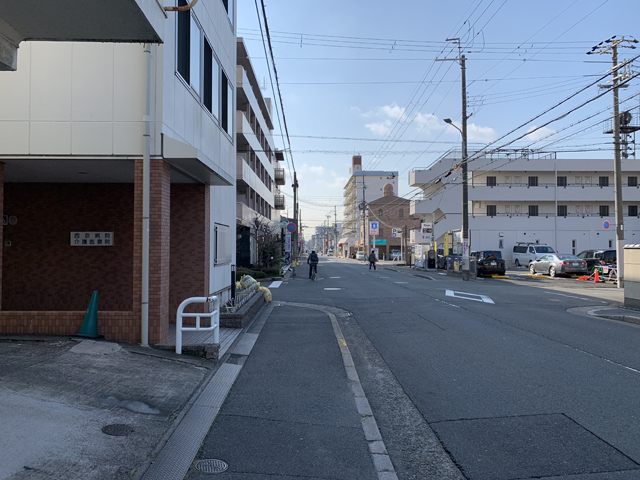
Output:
(470, 296)
(400, 282)
(275, 284)
(330, 288)
(334, 277)
(570, 296)
(440, 273)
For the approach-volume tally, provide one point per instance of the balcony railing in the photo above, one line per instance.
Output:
(279, 203)
(279, 176)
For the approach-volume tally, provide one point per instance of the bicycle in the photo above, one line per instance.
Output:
(313, 274)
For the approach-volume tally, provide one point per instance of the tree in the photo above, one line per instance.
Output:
(268, 242)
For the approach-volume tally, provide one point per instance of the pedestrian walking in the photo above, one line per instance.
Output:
(372, 260)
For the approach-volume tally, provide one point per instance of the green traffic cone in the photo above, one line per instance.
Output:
(89, 328)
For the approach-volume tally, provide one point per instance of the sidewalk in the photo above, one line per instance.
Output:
(292, 412)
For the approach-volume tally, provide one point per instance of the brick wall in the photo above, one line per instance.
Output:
(159, 251)
(190, 249)
(41, 271)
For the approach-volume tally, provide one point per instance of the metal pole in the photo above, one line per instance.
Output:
(294, 236)
(146, 195)
(465, 185)
(617, 173)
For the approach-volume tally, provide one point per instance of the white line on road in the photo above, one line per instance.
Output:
(400, 282)
(440, 273)
(275, 284)
(330, 288)
(469, 296)
(334, 277)
(570, 296)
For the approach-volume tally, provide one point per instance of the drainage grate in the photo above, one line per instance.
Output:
(117, 430)
(211, 466)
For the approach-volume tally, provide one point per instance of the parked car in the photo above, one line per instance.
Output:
(489, 261)
(525, 253)
(360, 255)
(597, 257)
(558, 264)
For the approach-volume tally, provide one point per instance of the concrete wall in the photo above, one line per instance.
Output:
(632, 277)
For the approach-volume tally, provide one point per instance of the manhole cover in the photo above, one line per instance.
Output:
(211, 466)
(118, 430)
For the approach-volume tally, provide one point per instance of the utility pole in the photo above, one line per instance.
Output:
(465, 181)
(294, 237)
(617, 74)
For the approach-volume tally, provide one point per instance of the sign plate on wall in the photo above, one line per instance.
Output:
(92, 239)
(373, 228)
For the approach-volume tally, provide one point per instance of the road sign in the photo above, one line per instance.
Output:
(606, 224)
(373, 228)
(396, 232)
(283, 224)
(291, 227)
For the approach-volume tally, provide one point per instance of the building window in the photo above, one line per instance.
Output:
(562, 210)
(533, 181)
(184, 25)
(633, 210)
(562, 181)
(208, 91)
(380, 231)
(603, 181)
(222, 238)
(380, 213)
(604, 210)
(632, 181)
(228, 6)
(533, 210)
(226, 104)
(491, 210)
(195, 36)
(491, 181)
(401, 213)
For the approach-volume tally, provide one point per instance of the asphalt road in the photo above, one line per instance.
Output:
(499, 372)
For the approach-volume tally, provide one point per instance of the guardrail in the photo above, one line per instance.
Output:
(214, 316)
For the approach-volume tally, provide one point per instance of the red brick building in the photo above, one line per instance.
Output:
(391, 211)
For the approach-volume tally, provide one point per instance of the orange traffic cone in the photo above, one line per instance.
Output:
(596, 277)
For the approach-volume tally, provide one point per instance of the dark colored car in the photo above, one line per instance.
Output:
(597, 257)
(558, 264)
(489, 261)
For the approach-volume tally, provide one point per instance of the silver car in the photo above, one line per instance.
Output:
(558, 264)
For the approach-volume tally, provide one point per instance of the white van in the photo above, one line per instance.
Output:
(525, 253)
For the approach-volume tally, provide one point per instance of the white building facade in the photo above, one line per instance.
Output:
(258, 198)
(361, 186)
(564, 203)
(72, 140)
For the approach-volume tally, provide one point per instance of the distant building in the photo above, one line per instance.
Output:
(517, 197)
(258, 175)
(391, 212)
(361, 187)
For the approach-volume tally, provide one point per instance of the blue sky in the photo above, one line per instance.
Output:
(362, 75)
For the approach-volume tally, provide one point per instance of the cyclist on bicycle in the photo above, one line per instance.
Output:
(313, 260)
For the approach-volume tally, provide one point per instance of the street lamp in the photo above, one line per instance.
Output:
(465, 197)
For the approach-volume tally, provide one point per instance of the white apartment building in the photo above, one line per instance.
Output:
(514, 197)
(361, 187)
(257, 174)
(72, 143)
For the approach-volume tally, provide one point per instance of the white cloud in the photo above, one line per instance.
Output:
(427, 122)
(388, 115)
(424, 123)
(477, 133)
(339, 182)
(539, 134)
(380, 128)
